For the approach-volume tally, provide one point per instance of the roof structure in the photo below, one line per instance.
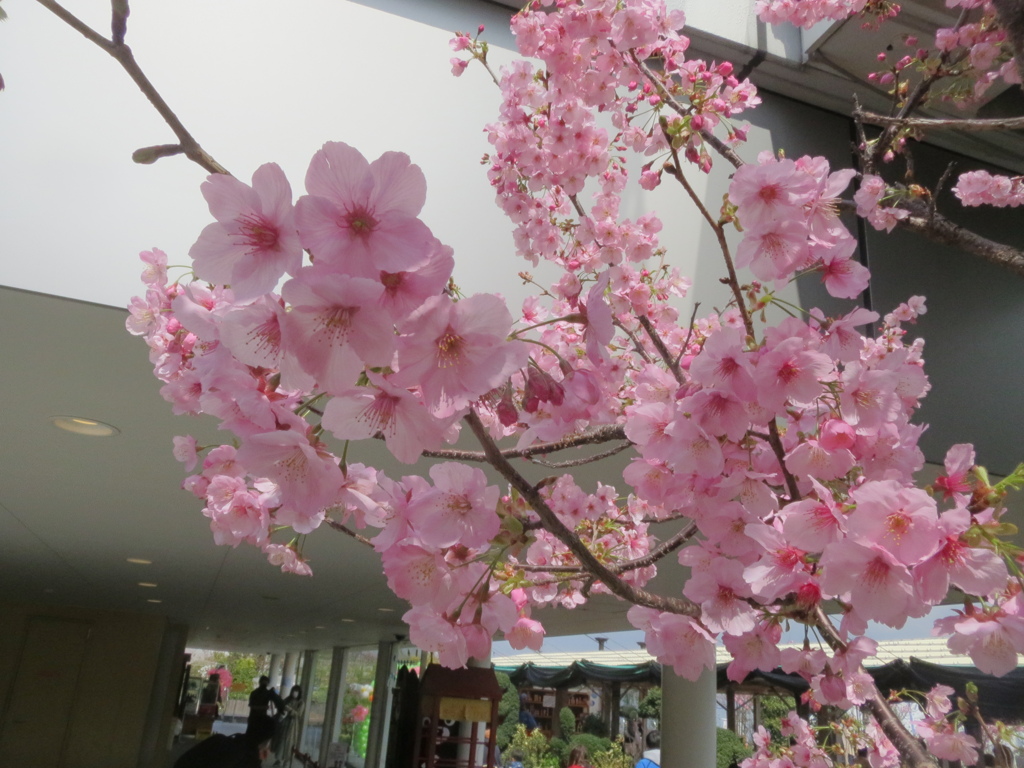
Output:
(895, 668)
(932, 650)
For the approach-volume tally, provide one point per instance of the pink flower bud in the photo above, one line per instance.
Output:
(836, 434)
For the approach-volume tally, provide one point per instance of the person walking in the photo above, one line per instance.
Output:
(260, 702)
(286, 738)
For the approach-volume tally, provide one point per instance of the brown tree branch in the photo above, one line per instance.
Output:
(927, 123)
(123, 54)
(925, 221)
(119, 12)
(583, 459)
(872, 155)
(593, 437)
(555, 526)
(909, 747)
(939, 229)
(347, 531)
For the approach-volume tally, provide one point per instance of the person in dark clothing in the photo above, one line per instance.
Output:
(243, 750)
(259, 707)
(525, 715)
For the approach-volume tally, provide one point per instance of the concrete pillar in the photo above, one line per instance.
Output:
(615, 713)
(167, 682)
(688, 720)
(291, 662)
(306, 681)
(333, 702)
(276, 667)
(380, 708)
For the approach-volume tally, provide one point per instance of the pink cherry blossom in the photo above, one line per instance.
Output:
(525, 633)
(417, 574)
(903, 520)
(879, 587)
(946, 743)
(461, 508)
(757, 649)
(287, 559)
(955, 484)
(992, 640)
(975, 570)
(360, 217)
(399, 415)
(308, 477)
(771, 191)
(457, 351)
(432, 632)
(254, 242)
(335, 327)
(721, 591)
(675, 640)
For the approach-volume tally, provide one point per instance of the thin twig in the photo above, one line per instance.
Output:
(603, 434)
(123, 54)
(927, 123)
(347, 531)
(689, 333)
(909, 747)
(583, 460)
(913, 101)
(555, 526)
(716, 143)
(119, 12)
(659, 344)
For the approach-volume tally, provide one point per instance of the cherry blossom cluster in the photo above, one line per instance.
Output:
(802, 751)
(791, 223)
(807, 13)
(781, 442)
(976, 188)
(938, 728)
(869, 198)
(550, 139)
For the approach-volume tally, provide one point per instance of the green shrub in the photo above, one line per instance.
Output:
(773, 709)
(508, 711)
(650, 705)
(559, 750)
(729, 748)
(567, 721)
(594, 744)
(533, 745)
(613, 757)
(594, 724)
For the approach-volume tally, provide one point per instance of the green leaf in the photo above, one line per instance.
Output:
(1014, 480)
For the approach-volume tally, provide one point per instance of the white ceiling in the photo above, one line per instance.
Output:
(74, 508)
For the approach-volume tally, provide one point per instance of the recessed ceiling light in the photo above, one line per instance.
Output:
(146, 584)
(152, 600)
(349, 621)
(81, 426)
(319, 626)
(139, 560)
(386, 610)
